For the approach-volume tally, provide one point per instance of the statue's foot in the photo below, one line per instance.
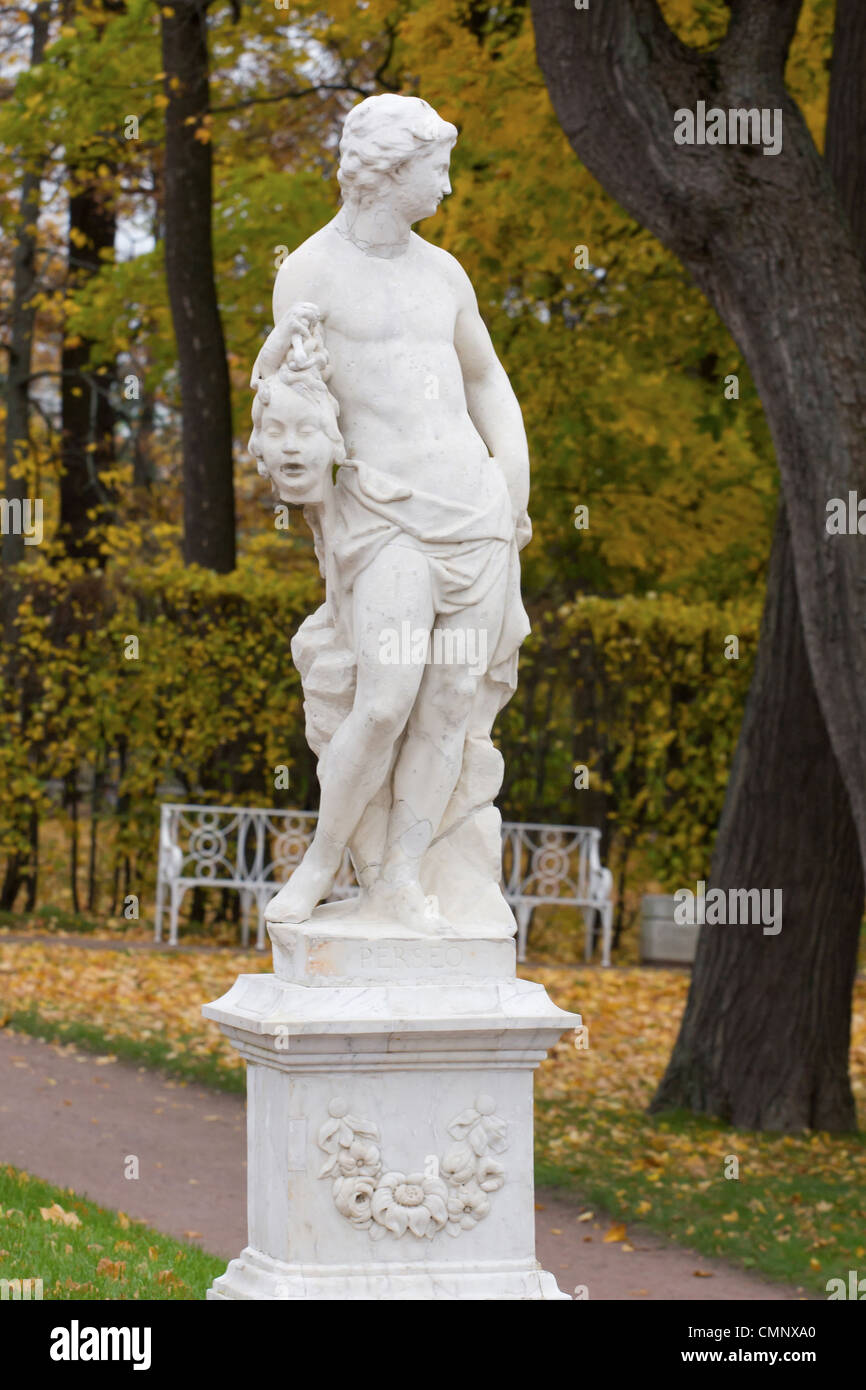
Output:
(308, 885)
(407, 904)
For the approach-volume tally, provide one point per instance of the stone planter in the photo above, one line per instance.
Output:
(662, 940)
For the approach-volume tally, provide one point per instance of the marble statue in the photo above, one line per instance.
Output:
(390, 1054)
(382, 408)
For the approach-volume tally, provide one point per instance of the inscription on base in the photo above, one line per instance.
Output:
(389, 955)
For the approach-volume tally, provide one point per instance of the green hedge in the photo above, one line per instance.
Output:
(638, 690)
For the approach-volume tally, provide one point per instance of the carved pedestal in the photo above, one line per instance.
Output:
(389, 1124)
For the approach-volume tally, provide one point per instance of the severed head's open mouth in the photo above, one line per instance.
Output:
(291, 470)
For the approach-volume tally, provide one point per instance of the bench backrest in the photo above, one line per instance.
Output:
(245, 846)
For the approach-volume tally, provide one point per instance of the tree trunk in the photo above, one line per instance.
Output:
(208, 487)
(845, 143)
(20, 866)
(764, 1040)
(87, 447)
(807, 1084)
(22, 317)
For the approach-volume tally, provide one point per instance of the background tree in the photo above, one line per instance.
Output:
(21, 863)
(765, 1036)
(208, 484)
(22, 315)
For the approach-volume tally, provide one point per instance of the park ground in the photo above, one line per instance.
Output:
(679, 1201)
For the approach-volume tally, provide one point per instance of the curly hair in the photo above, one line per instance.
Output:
(380, 133)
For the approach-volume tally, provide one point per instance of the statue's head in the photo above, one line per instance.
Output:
(396, 149)
(296, 439)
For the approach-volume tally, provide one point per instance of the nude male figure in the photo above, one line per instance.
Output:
(423, 400)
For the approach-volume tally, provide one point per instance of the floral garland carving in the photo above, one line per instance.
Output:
(454, 1197)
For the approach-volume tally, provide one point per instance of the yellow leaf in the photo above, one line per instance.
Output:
(616, 1232)
(60, 1217)
(731, 1216)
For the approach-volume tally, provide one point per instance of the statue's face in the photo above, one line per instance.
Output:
(422, 181)
(295, 449)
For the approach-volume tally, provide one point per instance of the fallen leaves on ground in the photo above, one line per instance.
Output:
(150, 997)
(56, 1214)
(592, 1121)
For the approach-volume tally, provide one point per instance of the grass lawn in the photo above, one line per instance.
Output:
(80, 1250)
(795, 1211)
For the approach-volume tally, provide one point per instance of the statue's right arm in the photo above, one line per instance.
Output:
(295, 284)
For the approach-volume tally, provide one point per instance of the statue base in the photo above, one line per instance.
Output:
(254, 1275)
(389, 1121)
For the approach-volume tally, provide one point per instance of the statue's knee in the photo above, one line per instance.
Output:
(385, 717)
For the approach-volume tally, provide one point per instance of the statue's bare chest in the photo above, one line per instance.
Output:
(381, 302)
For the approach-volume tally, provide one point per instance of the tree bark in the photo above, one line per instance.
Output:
(845, 142)
(22, 318)
(21, 866)
(764, 1040)
(208, 486)
(87, 443)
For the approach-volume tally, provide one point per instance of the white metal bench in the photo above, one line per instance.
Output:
(253, 851)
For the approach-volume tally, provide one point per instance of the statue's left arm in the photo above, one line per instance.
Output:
(490, 400)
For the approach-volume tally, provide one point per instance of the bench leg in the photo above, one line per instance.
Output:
(246, 897)
(606, 932)
(157, 915)
(589, 920)
(174, 910)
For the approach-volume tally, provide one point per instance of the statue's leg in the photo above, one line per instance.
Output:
(393, 590)
(430, 757)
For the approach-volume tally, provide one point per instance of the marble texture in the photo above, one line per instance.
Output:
(381, 407)
(414, 1095)
(390, 1055)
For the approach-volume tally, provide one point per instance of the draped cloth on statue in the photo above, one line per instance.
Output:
(472, 553)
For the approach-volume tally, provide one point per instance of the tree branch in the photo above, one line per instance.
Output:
(290, 95)
(761, 32)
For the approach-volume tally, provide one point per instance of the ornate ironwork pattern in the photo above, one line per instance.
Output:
(254, 851)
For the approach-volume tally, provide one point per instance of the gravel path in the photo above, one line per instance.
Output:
(72, 1118)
